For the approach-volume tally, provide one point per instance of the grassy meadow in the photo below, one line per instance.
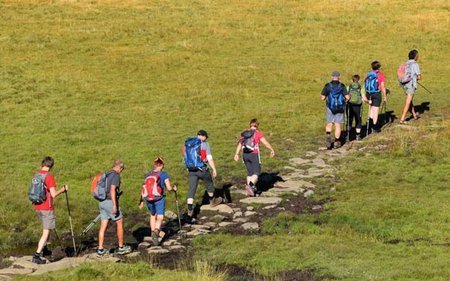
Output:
(90, 81)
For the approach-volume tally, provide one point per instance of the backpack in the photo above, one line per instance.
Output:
(404, 73)
(248, 141)
(336, 100)
(371, 83)
(192, 156)
(152, 189)
(37, 191)
(100, 186)
(354, 90)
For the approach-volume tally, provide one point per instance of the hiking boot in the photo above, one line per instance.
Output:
(215, 201)
(249, 190)
(337, 144)
(155, 239)
(358, 137)
(328, 142)
(101, 252)
(38, 260)
(124, 250)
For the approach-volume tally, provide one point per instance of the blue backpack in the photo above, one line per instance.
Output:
(192, 156)
(336, 100)
(371, 83)
(37, 191)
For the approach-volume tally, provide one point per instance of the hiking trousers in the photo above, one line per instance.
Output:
(194, 176)
(355, 112)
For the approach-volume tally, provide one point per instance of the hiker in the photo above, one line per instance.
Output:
(375, 87)
(355, 105)
(46, 210)
(335, 94)
(197, 157)
(152, 193)
(408, 82)
(110, 210)
(249, 144)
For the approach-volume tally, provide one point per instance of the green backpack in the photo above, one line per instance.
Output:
(354, 90)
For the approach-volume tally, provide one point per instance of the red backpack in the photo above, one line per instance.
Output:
(151, 189)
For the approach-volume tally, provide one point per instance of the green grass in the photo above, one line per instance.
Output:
(90, 81)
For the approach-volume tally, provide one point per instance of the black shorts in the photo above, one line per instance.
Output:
(251, 162)
(375, 98)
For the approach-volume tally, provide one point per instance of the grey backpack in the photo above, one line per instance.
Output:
(37, 191)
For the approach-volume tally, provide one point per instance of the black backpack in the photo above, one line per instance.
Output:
(37, 191)
(248, 141)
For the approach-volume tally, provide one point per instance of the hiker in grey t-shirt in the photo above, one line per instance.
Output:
(410, 87)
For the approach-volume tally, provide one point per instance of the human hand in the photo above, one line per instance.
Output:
(141, 205)
(174, 188)
(236, 157)
(272, 153)
(214, 174)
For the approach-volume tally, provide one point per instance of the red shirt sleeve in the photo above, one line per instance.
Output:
(50, 181)
(258, 136)
(381, 77)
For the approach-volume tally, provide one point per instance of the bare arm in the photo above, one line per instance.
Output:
(267, 144)
(322, 97)
(55, 193)
(212, 165)
(238, 149)
(169, 186)
(113, 198)
(383, 90)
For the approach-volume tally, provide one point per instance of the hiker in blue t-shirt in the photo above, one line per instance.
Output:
(335, 94)
(410, 87)
(156, 181)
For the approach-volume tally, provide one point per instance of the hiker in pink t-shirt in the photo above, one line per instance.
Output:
(249, 144)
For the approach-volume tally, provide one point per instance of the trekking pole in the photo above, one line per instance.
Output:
(424, 87)
(347, 137)
(93, 222)
(178, 208)
(70, 221)
(368, 117)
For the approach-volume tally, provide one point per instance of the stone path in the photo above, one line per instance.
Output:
(243, 214)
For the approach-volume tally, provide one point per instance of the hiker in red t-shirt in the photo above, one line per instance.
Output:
(249, 144)
(45, 210)
(375, 99)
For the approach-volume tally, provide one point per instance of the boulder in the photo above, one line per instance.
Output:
(222, 208)
(261, 200)
(250, 226)
(143, 245)
(249, 213)
(156, 250)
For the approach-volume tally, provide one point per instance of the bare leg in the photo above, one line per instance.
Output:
(43, 240)
(101, 233)
(374, 114)
(119, 224)
(337, 130)
(158, 223)
(408, 104)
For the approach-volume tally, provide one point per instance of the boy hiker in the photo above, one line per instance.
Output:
(155, 181)
(355, 105)
(249, 144)
(197, 156)
(408, 75)
(109, 209)
(45, 182)
(335, 94)
(374, 85)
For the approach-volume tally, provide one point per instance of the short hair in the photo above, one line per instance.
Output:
(376, 65)
(118, 163)
(158, 162)
(412, 54)
(355, 78)
(47, 162)
(254, 122)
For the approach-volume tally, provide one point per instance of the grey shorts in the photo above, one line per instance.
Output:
(251, 162)
(195, 176)
(334, 118)
(409, 88)
(106, 211)
(47, 218)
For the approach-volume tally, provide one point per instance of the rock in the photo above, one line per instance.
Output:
(63, 264)
(133, 254)
(310, 153)
(308, 193)
(222, 208)
(316, 208)
(218, 218)
(177, 248)
(319, 162)
(269, 207)
(299, 161)
(249, 213)
(143, 245)
(197, 232)
(170, 215)
(237, 215)
(250, 226)
(332, 189)
(200, 227)
(240, 220)
(210, 224)
(226, 223)
(322, 148)
(5, 277)
(261, 200)
(16, 271)
(250, 208)
(171, 242)
(147, 239)
(156, 250)
(24, 262)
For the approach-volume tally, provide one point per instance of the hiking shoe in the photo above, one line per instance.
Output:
(38, 260)
(249, 190)
(124, 250)
(358, 137)
(215, 201)
(337, 144)
(328, 142)
(101, 252)
(155, 239)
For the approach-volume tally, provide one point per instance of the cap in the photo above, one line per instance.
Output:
(335, 74)
(202, 133)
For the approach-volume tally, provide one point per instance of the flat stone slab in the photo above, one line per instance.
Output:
(250, 226)
(157, 250)
(299, 161)
(59, 265)
(170, 243)
(240, 220)
(5, 277)
(287, 190)
(222, 208)
(24, 262)
(15, 271)
(249, 213)
(226, 223)
(143, 245)
(133, 254)
(177, 248)
(295, 183)
(261, 200)
(308, 193)
(310, 153)
(269, 207)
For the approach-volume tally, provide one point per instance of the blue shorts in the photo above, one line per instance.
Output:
(157, 207)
